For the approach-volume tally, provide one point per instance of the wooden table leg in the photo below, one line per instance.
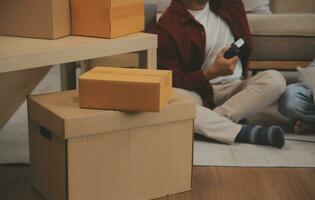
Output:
(148, 59)
(14, 86)
(68, 76)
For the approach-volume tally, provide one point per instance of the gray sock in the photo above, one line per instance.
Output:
(270, 136)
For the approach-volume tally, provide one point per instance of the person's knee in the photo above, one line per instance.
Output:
(275, 81)
(193, 95)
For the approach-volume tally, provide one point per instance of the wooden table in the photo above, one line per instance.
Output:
(25, 53)
(17, 53)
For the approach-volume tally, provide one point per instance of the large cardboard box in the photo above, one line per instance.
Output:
(106, 18)
(109, 155)
(48, 19)
(125, 89)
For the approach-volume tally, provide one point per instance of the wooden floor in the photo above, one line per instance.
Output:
(208, 183)
(251, 183)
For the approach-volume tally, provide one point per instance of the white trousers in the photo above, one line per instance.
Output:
(236, 100)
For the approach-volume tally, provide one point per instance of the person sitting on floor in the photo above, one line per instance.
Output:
(193, 36)
(297, 102)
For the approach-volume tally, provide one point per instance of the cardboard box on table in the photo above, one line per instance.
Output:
(105, 155)
(125, 89)
(49, 19)
(106, 18)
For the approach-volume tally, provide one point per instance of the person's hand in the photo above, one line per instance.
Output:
(221, 66)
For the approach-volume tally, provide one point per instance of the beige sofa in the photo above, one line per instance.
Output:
(285, 36)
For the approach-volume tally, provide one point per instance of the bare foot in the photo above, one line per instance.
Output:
(302, 127)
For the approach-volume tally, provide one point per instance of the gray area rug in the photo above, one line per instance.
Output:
(14, 135)
(299, 151)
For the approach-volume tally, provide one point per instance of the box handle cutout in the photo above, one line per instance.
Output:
(46, 133)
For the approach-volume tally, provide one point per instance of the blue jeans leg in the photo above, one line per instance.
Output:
(297, 103)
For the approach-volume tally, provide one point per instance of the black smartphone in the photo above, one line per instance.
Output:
(235, 49)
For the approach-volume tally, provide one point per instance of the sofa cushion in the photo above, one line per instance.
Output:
(282, 24)
(292, 6)
(290, 48)
(257, 6)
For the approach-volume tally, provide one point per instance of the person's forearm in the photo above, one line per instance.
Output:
(189, 81)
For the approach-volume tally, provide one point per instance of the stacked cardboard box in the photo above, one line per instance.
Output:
(48, 19)
(104, 155)
(51, 19)
(107, 18)
(125, 89)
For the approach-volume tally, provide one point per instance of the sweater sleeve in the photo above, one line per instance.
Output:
(241, 22)
(168, 59)
(245, 28)
(167, 56)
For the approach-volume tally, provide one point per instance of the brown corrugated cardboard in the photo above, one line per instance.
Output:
(48, 162)
(125, 89)
(48, 19)
(106, 18)
(115, 155)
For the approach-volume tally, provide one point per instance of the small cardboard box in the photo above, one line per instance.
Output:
(49, 19)
(109, 155)
(106, 18)
(125, 89)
